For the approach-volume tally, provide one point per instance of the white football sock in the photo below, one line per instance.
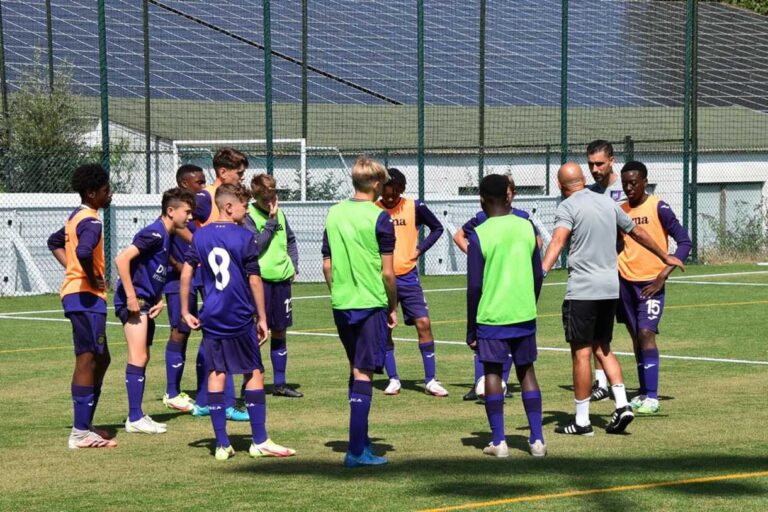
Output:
(582, 412)
(619, 395)
(601, 379)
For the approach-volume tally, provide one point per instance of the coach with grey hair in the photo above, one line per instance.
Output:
(590, 222)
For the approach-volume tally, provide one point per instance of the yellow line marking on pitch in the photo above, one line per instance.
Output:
(569, 494)
(38, 349)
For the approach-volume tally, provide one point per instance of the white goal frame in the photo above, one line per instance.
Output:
(302, 143)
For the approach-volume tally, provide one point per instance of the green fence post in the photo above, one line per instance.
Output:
(420, 109)
(687, 114)
(304, 69)
(629, 149)
(49, 35)
(147, 100)
(481, 97)
(694, 131)
(268, 87)
(564, 83)
(564, 97)
(3, 79)
(547, 166)
(104, 92)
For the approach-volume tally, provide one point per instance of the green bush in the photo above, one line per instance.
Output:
(744, 240)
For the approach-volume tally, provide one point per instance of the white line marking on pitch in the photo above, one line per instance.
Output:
(716, 283)
(442, 342)
(558, 349)
(434, 290)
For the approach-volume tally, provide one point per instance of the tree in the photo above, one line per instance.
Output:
(43, 138)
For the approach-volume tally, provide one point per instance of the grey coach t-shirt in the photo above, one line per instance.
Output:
(615, 190)
(592, 262)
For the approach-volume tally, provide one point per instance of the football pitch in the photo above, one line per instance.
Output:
(706, 450)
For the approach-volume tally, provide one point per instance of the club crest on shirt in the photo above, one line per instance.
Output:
(615, 195)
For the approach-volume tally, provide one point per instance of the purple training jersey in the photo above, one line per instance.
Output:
(148, 268)
(178, 251)
(227, 255)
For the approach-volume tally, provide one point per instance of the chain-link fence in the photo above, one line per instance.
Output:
(447, 91)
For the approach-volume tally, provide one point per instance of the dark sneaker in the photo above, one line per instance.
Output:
(598, 393)
(575, 430)
(286, 392)
(619, 420)
(508, 393)
(471, 395)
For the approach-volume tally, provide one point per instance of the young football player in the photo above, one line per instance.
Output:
(408, 215)
(79, 248)
(139, 298)
(228, 258)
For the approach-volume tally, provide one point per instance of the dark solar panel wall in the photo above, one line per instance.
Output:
(625, 80)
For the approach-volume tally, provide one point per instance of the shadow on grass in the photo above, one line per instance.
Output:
(161, 418)
(406, 384)
(443, 481)
(378, 447)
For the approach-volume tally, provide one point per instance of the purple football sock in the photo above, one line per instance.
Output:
(640, 372)
(428, 358)
(651, 370)
(494, 409)
(134, 384)
(82, 398)
(532, 406)
(390, 364)
(359, 408)
(201, 372)
(478, 368)
(256, 403)
(174, 367)
(279, 355)
(229, 391)
(506, 368)
(218, 418)
(96, 396)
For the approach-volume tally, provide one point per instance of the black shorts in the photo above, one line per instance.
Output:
(589, 321)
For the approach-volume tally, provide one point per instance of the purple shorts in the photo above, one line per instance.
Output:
(277, 303)
(411, 299)
(365, 340)
(233, 355)
(173, 304)
(144, 306)
(638, 313)
(89, 332)
(523, 350)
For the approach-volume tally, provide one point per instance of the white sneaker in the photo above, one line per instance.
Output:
(88, 439)
(181, 402)
(538, 448)
(637, 401)
(145, 425)
(393, 388)
(434, 388)
(501, 450)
